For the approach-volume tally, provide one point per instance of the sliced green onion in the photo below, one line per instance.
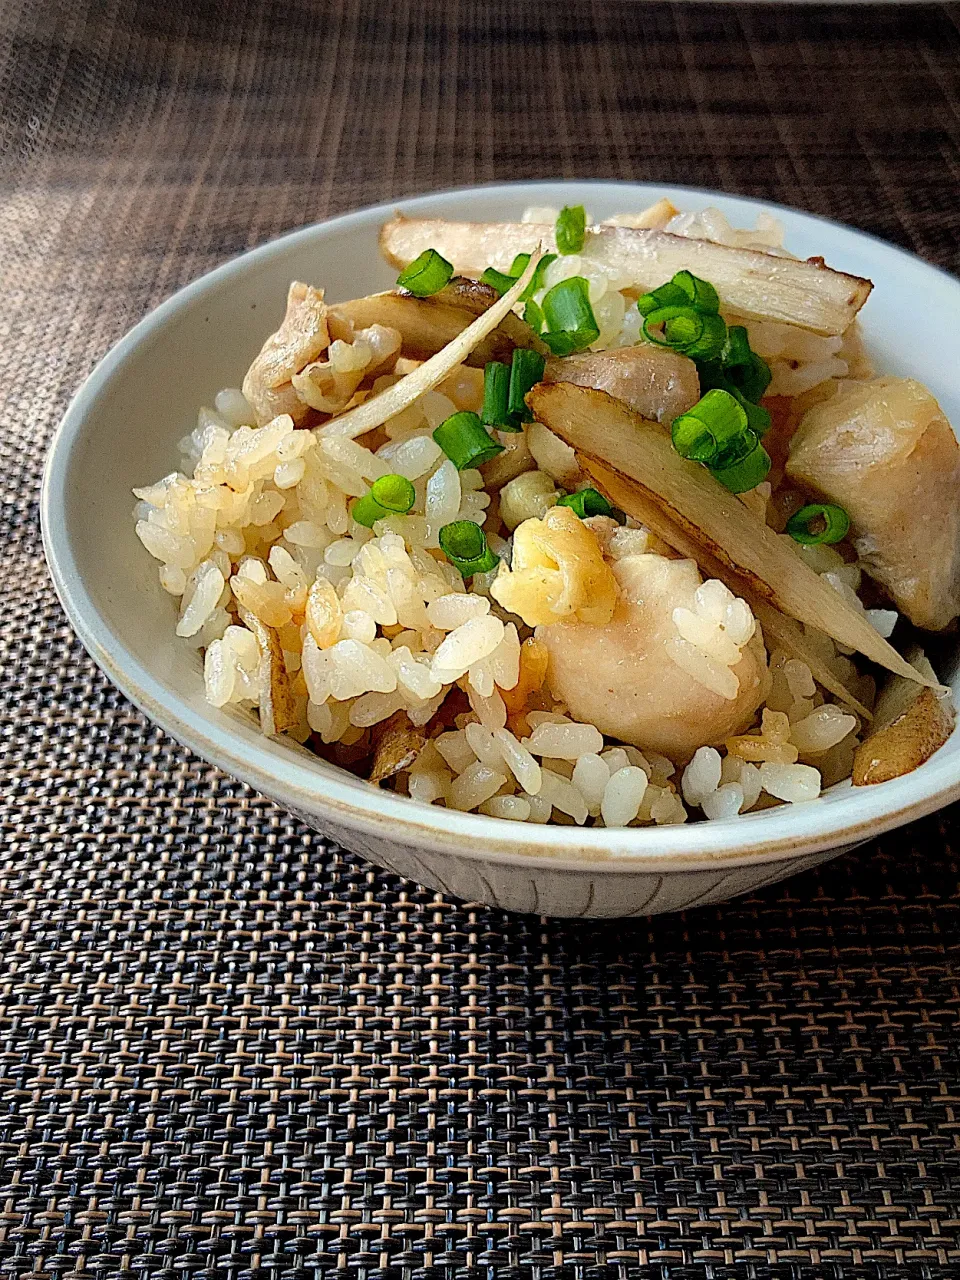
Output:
(685, 289)
(699, 293)
(569, 317)
(571, 229)
(818, 522)
(498, 280)
(589, 502)
(465, 546)
(694, 333)
(668, 295)
(758, 418)
(389, 495)
(744, 368)
(745, 474)
(533, 316)
(737, 350)
(496, 392)
(526, 370)
(465, 440)
(426, 275)
(710, 427)
(713, 375)
(565, 343)
(504, 280)
(536, 281)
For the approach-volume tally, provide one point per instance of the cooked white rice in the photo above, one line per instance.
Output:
(369, 622)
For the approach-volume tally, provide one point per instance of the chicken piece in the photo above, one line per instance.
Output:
(885, 452)
(426, 325)
(657, 383)
(621, 677)
(301, 338)
(328, 385)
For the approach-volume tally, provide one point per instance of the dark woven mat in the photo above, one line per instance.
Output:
(229, 1050)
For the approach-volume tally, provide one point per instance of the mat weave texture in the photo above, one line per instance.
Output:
(227, 1049)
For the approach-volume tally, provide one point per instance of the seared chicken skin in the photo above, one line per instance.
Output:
(621, 678)
(885, 452)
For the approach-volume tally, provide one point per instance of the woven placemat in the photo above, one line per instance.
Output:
(228, 1049)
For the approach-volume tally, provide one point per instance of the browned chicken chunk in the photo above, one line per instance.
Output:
(621, 678)
(885, 452)
(301, 338)
(657, 383)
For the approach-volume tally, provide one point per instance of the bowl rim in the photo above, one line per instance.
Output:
(291, 778)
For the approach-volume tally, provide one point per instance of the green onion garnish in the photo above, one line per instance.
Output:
(745, 474)
(588, 502)
(569, 317)
(699, 293)
(734, 451)
(737, 350)
(465, 546)
(694, 333)
(668, 295)
(498, 280)
(684, 289)
(714, 376)
(496, 392)
(426, 275)
(504, 280)
(818, 522)
(758, 418)
(465, 440)
(536, 281)
(390, 495)
(744, 368)
(710, 427)
(571, 229)
(533, 316)
(716, 432)
(526, 370)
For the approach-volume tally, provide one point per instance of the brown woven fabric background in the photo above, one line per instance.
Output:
(226, 1048)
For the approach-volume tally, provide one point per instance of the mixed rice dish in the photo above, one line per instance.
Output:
(608, 525)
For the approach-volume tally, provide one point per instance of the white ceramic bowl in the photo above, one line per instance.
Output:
(122, 428)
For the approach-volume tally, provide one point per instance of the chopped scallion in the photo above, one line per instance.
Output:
(388, 495)
(571, 229)
(668, 295)
(745, 369)
(533, 316)
(590, 502)
(745, 474)
(569, 317)
(426, 275)
(536, 281)
(498, 280)
(818, 522)
(685, 289)
(699, 293)
(694, 333)
(496, 393)
(713, 375)
(504, 280)
(710, 427)
(465, 440)
(465, 546)
(526, 370)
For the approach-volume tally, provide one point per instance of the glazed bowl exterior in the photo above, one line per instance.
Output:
(122, 430)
